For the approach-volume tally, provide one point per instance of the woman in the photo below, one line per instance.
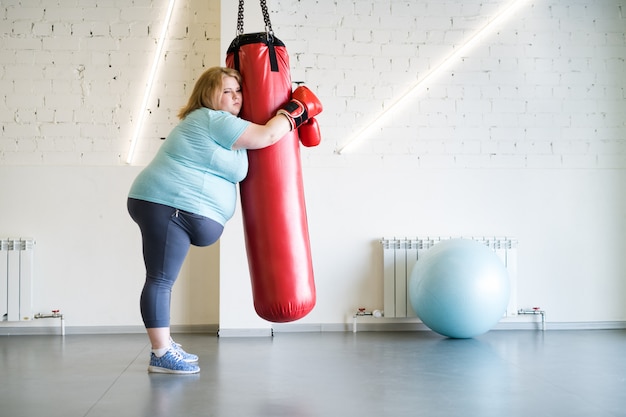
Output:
(188, 192)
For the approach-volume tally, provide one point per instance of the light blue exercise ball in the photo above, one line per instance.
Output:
(459, 288)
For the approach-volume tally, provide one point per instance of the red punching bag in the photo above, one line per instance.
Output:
(272, 195)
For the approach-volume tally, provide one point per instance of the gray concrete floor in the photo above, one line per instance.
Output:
(501, 373)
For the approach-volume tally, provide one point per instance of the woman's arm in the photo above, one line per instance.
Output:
(302, 106)
(260, 136)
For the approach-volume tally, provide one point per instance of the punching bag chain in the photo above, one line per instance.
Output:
(266, 18)
(240, 18)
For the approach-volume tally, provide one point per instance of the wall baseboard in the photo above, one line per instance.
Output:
(371, 326)
(77, 330)
(263, 332)
(396, 326)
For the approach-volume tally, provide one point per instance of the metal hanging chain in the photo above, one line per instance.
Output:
(240, 18)
(266, 18)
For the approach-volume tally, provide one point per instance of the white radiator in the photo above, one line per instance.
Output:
(16, 279)
(400, 255)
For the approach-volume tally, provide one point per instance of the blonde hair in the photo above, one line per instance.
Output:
(208, 89)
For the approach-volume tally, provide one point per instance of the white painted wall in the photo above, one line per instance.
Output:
(72, 78)
(524, 136)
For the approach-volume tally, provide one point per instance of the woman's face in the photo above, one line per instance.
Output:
(231, 98)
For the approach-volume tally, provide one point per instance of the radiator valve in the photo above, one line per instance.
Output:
(375, 313)
(363, 312)
(535, 311)
(56, 314)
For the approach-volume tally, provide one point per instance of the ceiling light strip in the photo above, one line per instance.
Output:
(422, 82)
(155, 65)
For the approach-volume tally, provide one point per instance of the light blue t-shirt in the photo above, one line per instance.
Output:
(196, 169)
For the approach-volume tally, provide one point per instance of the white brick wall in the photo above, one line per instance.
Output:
(72, 75)
(544, 90)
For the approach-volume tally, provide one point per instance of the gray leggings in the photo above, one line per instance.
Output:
(167, 234)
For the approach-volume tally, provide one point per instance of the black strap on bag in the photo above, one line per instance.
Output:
(266, 37)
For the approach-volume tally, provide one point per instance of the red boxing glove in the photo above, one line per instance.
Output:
(309, 133)
(302, 106)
